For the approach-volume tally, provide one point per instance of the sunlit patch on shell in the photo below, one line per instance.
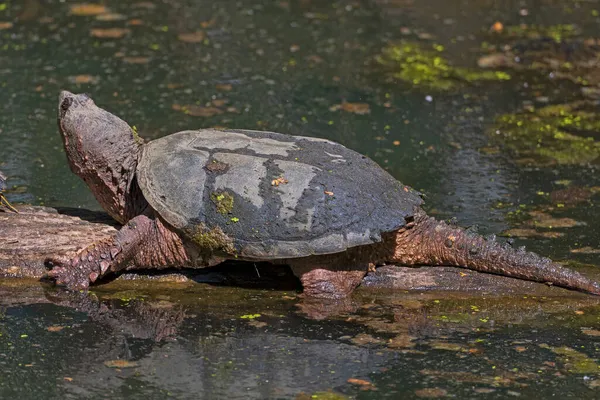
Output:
(300, 175)
(243, 177)
(227, 140)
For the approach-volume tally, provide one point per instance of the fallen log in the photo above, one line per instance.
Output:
(29, 237)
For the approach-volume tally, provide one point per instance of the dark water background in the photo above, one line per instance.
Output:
(282, 66)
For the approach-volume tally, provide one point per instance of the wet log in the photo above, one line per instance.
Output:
(35, 233)
(27, 238)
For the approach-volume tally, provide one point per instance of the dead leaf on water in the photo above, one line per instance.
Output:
(193, 37)
(219, 102)
(590, 332)
(364, 338)
(144, 4)
(225, 87)
(257, 324)
(586, 250)
(84, 79)
(431, 393)
(135, 22)
(355, 108)
(543, 220)
(109, 33)
(531, 233)
(440, 345)
(55, 328)
(110, 17)
(136, 60)
(197, 111)
(208, 24)
(87, 9)
(5, 25)
(401, 341)
(496, 60)
(359, 382)
(571, 195)
(120, 364)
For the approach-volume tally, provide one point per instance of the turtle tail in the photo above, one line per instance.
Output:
(426, 241)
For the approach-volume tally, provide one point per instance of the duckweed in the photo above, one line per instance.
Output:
(422, 67)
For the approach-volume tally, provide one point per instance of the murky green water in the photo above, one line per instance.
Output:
(310, 68)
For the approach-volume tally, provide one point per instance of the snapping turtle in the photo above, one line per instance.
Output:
(3, 201)
(195, 198)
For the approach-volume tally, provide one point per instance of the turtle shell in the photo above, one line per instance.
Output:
(273, 195)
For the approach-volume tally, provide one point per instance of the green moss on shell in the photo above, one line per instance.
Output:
(138, 139)
(212, 240)
(416, 64)
(223, 201)
(552, 134)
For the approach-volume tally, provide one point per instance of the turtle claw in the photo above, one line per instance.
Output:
(74, 277)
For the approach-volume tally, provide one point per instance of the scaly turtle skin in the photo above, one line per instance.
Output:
(3, 201)
(195, 198)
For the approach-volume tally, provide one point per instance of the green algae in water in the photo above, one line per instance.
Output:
(558, 33)
(555, 134)
(414, 63)
(574, 360)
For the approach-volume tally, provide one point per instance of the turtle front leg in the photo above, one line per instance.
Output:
(143, 243)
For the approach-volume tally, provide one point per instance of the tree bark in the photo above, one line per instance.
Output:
(36, 233)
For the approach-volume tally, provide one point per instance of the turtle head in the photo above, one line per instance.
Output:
(102, 149)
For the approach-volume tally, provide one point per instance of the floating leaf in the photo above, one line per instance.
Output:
(531, 233)
(359, 382)
(110, 17)
(109, 33)
(590, 332)
(219, 102)
(193, 37)
(87, 9)
(356, 108)
(55, 328)
(136, 60)
(5, 25)
(586, 250)
(225, 87)
(83, 79)
(431, 393)
(198, 111)
(120, 364)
